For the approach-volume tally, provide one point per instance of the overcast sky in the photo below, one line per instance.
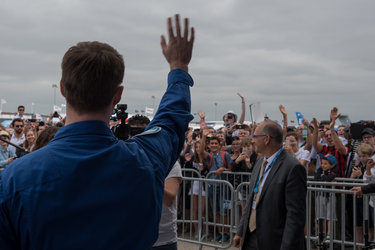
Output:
(307, 55)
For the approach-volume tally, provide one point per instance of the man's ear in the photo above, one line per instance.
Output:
(117, 96)
(62, 91)
(268, 140)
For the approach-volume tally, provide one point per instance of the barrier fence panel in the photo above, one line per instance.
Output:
(211, 214)
(210, 211)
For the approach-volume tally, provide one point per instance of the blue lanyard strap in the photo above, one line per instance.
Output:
(266, 170)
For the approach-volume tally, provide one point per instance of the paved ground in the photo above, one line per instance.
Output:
(187, 246)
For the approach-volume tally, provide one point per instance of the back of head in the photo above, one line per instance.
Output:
(274, 130)
(91, 74)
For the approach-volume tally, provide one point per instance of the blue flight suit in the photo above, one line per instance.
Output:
(88, 190)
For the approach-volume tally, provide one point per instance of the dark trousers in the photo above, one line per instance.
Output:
(251, 242)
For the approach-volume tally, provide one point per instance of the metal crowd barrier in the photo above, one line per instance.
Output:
(221, 202)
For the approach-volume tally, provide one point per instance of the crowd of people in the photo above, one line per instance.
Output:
(107, 193)
(25, 135)
(325, 150)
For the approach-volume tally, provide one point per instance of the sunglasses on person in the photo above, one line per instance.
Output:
(19, 126)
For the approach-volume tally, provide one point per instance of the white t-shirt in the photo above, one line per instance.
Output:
(168, 221)
(303, 154)
(16, 141)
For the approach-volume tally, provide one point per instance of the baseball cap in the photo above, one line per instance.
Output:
(369, 131)
(329, 158)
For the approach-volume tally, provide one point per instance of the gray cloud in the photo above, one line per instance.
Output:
(309, 56)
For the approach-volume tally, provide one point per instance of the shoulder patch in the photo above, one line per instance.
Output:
(151, 131)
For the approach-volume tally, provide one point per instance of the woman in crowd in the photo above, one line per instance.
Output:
(30, 139)
(197, 163)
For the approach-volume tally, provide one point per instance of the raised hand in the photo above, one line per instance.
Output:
(240, 95)
(333, 116)
(179, 49)
(282, 110)
(202, 114)
(314, 122)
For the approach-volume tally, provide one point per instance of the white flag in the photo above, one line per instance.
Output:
(38, 117)
(56, 108)
(3, 101)
(149, 110)
(256, 111)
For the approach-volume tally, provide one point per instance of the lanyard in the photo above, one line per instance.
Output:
(267, 169)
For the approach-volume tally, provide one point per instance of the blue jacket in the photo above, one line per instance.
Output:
(88, 190)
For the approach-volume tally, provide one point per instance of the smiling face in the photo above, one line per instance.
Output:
(30, 137)
(326, 165)
(328, 138)
(236, 146)
(214, 146)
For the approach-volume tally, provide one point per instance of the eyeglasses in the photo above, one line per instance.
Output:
(21, 110)
(366, 137)
(256, 136)
(19, 126)
(328, 135)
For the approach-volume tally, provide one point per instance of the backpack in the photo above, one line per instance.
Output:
(222, 154)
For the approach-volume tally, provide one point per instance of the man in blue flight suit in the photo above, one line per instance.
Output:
(86, 189)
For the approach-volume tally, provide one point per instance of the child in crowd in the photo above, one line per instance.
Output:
(324, 201)
(365, 152)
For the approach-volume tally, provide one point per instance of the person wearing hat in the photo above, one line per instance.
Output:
(368, 136)
(327, 172)
(230, 119)
(6, 155)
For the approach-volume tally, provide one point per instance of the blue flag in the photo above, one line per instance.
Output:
(136, 111)
(299, 118)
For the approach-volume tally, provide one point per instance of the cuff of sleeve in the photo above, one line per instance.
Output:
(180, 76)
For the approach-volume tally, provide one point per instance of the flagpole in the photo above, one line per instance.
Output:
(54, 86)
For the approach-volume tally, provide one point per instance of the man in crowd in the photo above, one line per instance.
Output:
(18, 136)
(334, 146)
(86, 189)
(341, 134)
(21, 112)
(217, 161)
(137, 124)
(274, 216)
(368, 137)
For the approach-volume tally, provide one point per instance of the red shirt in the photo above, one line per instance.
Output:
(341, 159)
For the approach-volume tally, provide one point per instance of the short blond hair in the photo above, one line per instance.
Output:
(365, 149)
